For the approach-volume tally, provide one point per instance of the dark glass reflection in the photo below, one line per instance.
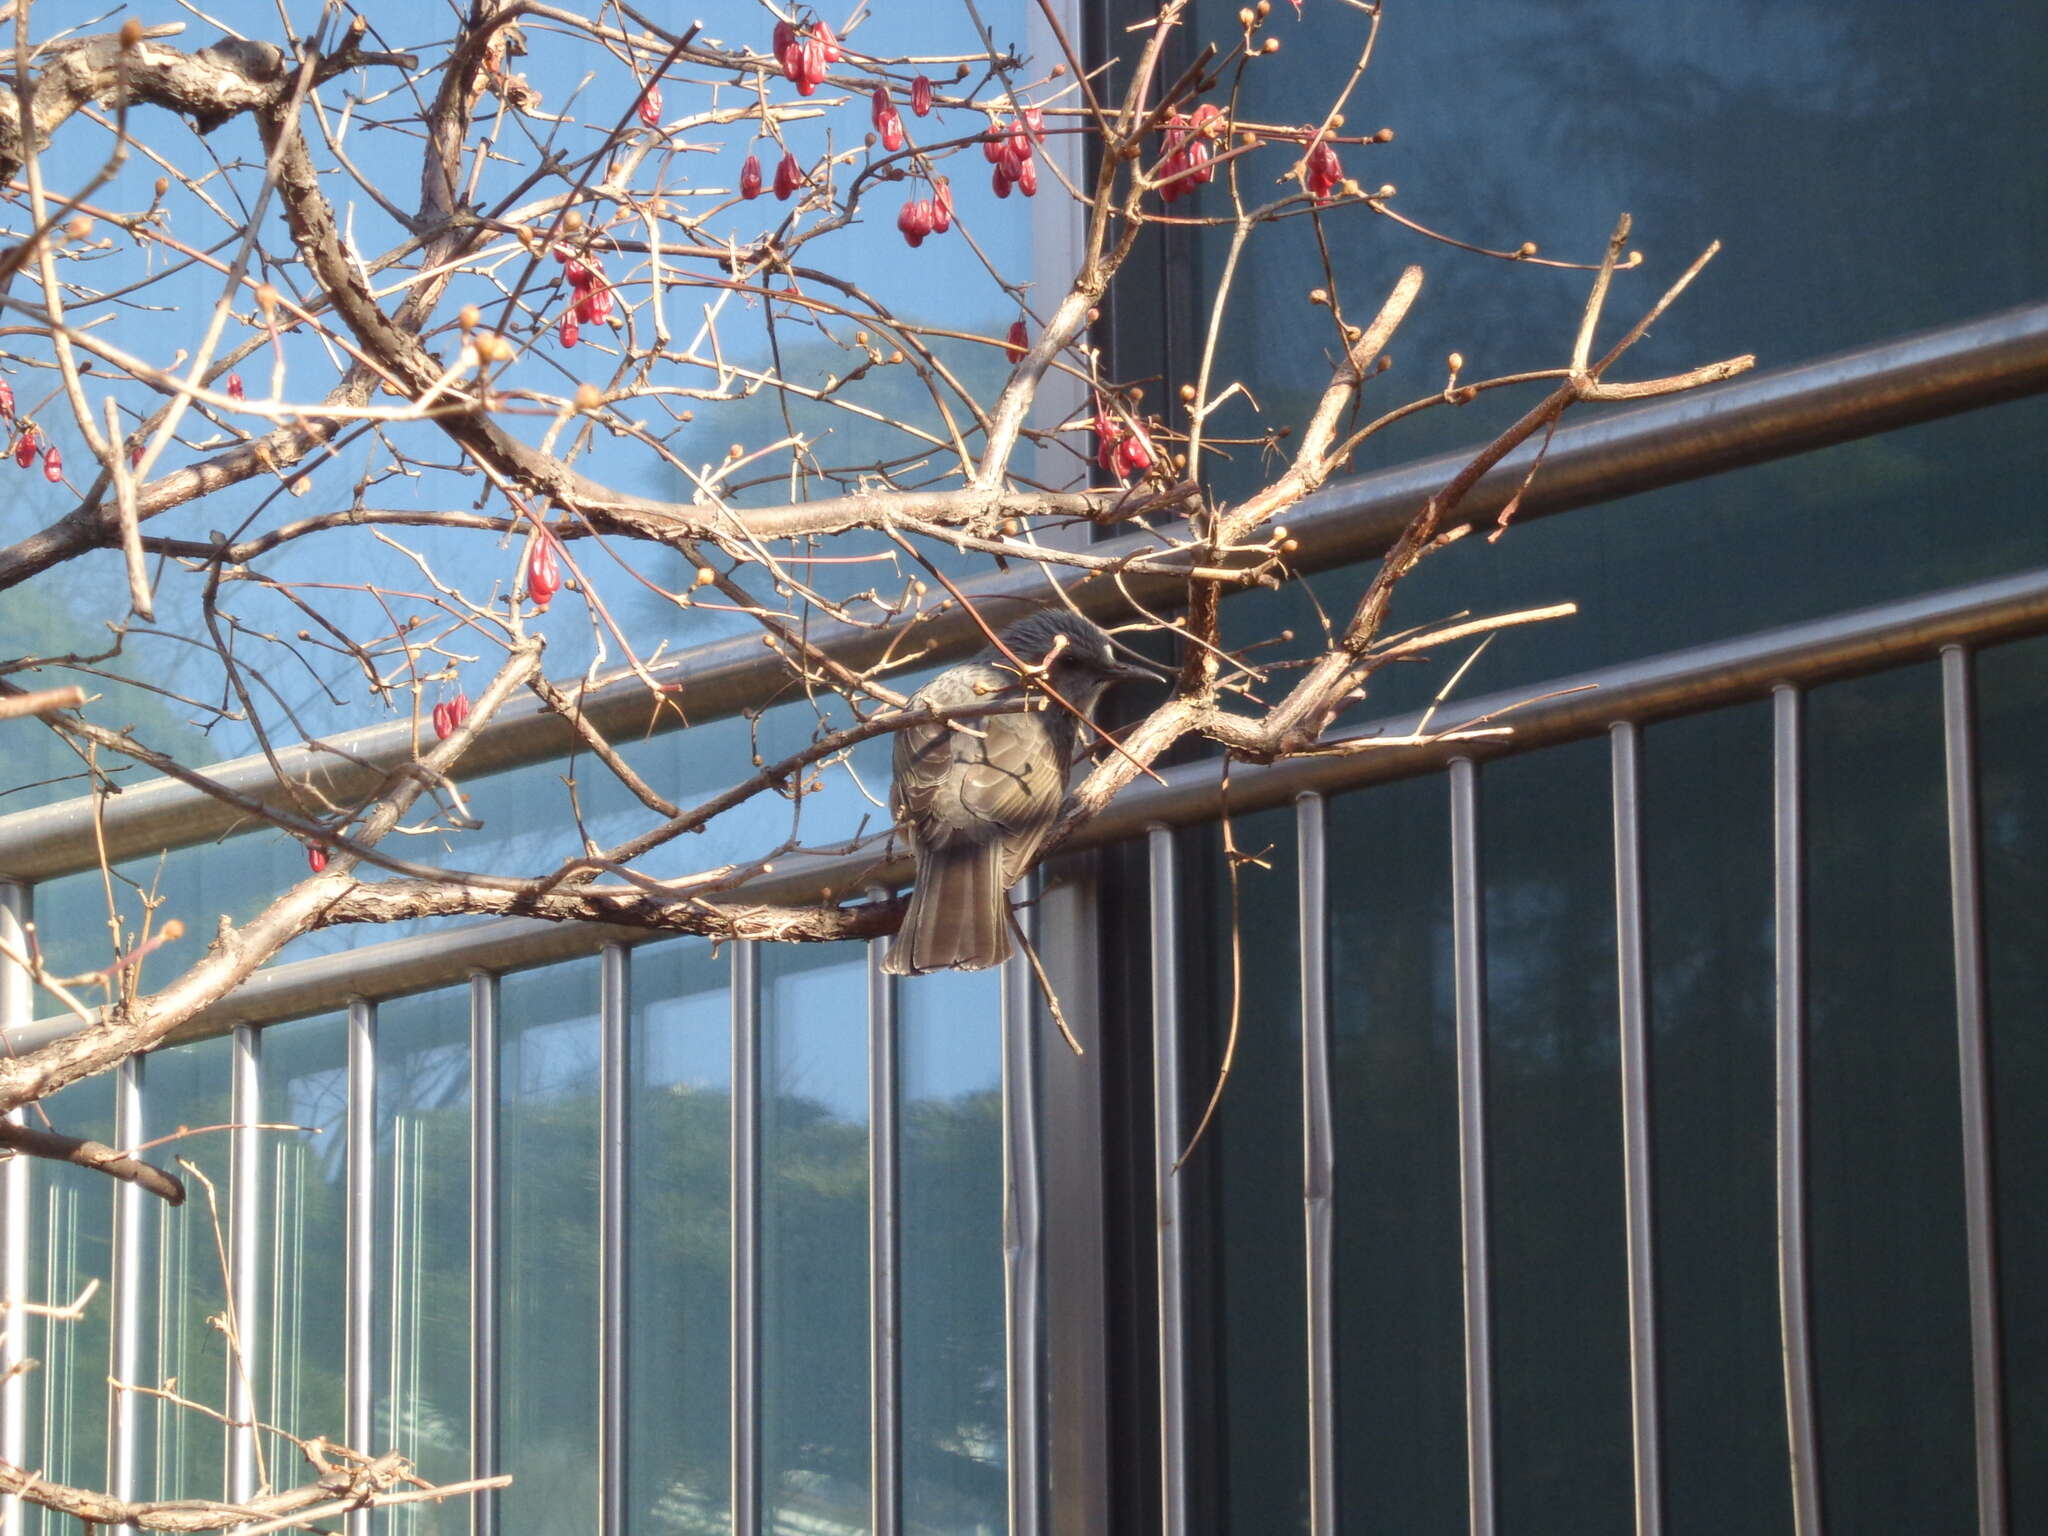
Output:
(1890, 1310)
(1401, 1332)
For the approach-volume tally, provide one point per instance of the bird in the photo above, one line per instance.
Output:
(975, 798)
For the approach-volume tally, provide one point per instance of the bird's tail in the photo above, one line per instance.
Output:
(959, 913)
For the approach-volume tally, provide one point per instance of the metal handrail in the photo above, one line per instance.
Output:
(1573, 708)
(1748, 421)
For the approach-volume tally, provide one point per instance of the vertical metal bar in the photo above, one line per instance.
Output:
(1469, 977)
(245, 1100)
(360, 1309)
(1169, 1137)
(1633, 998)
(1966, 897)
(17, 1011)
(746, 1239)
(615, 1014)
(1794, 1289)
(1023, 1231)
(1318, 1167)
(123, 1408)
(885, 1361)
(483, 1246)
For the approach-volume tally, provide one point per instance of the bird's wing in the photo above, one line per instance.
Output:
(1001, 778)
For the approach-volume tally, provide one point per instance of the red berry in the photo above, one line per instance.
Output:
(921, 95)
(883, 106)
(1000, 182)
(1027, 178)
(235, 391)
(6, 398)
(570, 332)
(579, 274)
(828, 41)
(595, 307)
(1134, 456)
(650, 105)
(1323, 172)
(992, 143)
(1034, 124)
(25, 448)
(316, 857)
(785, 46)
(134, 455)
(788, 175)
(543, 574)
(458, 708)
(444, 724)
(53, 465)
(892, 133)
(942, 206)
(810, 72)
(750, 178)
(1018, 342)
(1011, 160)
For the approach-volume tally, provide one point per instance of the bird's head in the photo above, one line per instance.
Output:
(1080, 659)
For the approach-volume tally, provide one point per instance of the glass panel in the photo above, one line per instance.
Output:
(1401, 1330)
(71, 1215)
(1243, 1199)
(181, 1453)
(1560, 1303)
(679, 1252)
(2013, 702)
(419, 1349)
(304, 1274)
(814, 1212)
(950, 1161)
(1891, 1321)
(548, 1251)
(1708, 875)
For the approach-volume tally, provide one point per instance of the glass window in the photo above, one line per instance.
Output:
(950, 1162)
(71, 1213)
(304, 1273)
(814, 1218)
(182, 1453)
(548, 1247)
(419, 1352)
(679, 1315)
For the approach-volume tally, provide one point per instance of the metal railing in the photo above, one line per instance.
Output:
(1751, 420)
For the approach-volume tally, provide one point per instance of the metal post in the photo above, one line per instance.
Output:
(17, 1011)
(360, 1309)
(1794, 1291)
(1169, 1139)
(245, 1099)
(1966, 897)
(885, 1363)
(1633, 998)
(483, 1246)
(615, 1014)
(746, 1239)
(1023, 1219)
(1318, 1167)
(1468, 951)
(124, 1407)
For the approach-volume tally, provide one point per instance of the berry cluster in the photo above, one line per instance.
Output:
(1187, 166)
(25, 440)
(592, 304)
(923, 216)
(1009, 150)
(543, 572)
(449, 715)
(1323, 174)
(805, 51)
(1122, 446)
(888, 121)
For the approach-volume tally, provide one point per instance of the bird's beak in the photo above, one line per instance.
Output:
(1132, 672)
